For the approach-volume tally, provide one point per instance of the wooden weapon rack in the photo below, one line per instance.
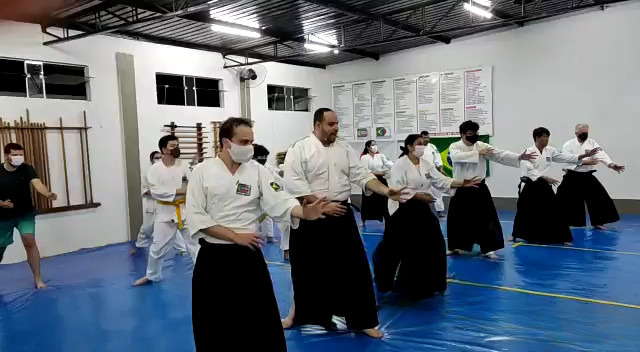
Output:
(193, 142)
(33, 138)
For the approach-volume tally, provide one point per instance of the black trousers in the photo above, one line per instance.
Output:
(578, 188)
(413, 247)
(330, 273)
(473, 219)
(234, 307)
(2, 249)
(374, 207)
(540, 218)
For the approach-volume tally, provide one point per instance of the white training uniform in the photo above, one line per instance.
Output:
(421, 178)
(266, 226)
(163, 183)
(432, 156)
(216, 197)
(575, 147)
(313, 169)
(539, 166)
(469, 164)
(376, 163)
(148, 216)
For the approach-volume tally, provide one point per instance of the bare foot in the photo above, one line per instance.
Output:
(600, 227)
(568, 244)
(375, 333)
(141, 281)
(40, 284)
(453, 252)
(286, 255)
(287, 322)
(491, 255)
(132, 252)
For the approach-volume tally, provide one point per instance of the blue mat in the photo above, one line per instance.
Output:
(534, 298)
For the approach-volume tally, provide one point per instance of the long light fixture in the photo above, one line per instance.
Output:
(486, 3)
(478, 11)
(317, 47)
(236, 31)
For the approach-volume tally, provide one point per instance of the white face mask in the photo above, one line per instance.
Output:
(419, 151)
(374, 148)
(241, 153)
(17, 160)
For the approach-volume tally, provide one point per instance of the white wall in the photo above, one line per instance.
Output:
(278, 129)
(578, 69)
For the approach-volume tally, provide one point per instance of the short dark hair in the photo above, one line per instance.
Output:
(469, 126)
(539, 132)
(260, 150)
(412, 138)
(153, 154)
(318, 116)
(12, 146)
(164, 141)
(228, 127)
(424, 133)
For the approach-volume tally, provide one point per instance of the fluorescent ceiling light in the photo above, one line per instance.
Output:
(486, 3)
(326, 39)
(478, 11)
(317, 47)
(236, 31)
(249, 22)
(336, 51)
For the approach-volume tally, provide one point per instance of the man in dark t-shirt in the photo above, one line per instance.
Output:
(16, 209)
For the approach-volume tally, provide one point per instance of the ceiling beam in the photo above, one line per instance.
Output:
(369, 16)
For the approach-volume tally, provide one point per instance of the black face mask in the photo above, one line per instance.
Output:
(261, 161)
(583, 136)
(472, 139)
(175, 152)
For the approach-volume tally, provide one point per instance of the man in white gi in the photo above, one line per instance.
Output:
(167, 185)
(472, 215)
(234, 306)
(145, 235)
(432, 155)
(580, 186)
(329, 267)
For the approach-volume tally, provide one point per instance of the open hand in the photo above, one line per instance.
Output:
(528, 156)
(472, 183)
(396, 194)
(552, 181)
(314, 210)
(250, 240)
(6, 204)
(52, 196)
(592, 152)
(485, 151)
(333, 209)
(617, 168)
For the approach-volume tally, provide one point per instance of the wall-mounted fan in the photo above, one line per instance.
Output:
(253, 75)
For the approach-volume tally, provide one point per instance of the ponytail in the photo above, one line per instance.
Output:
(412, 138)
(404, 151)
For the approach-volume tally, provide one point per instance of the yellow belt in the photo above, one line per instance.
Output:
(175, 203)
(262, 217)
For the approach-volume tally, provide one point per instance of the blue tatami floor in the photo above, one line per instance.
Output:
(534, 298)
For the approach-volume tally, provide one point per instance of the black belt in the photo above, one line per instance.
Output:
(579, 172)
(525, 180)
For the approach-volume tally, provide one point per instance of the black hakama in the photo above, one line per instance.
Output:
(234, 307)
(413, 247)
(578, 188)
(330, 273)
(473, 219)
(374, 207)
(539, 218)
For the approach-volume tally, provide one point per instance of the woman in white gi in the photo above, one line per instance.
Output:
(149, 208)
(167, 185)
(540, 218)
(234, 307)
(411, 258)
(374, 206)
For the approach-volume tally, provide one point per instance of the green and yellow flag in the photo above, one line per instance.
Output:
(443, 147)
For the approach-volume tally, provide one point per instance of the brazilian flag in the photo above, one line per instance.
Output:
(443, 147)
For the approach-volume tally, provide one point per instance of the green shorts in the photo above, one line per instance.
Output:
(26, 224)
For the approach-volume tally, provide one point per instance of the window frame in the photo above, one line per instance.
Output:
(289, 100)
(220, 82)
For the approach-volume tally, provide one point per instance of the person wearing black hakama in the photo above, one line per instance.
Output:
(329, 268)
(233, 304)
(536, 195)
(374, 206)
(573, 193)
(472, 215)
(411, 258)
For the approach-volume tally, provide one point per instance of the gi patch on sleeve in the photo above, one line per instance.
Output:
(243, 190)
(276, 187)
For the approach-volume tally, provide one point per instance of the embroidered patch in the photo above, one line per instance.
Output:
(243, 190)
(276, 187)
(548, 159)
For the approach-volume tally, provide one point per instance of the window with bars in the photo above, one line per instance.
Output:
(44, 80)
(188, 90)
(282, 98)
